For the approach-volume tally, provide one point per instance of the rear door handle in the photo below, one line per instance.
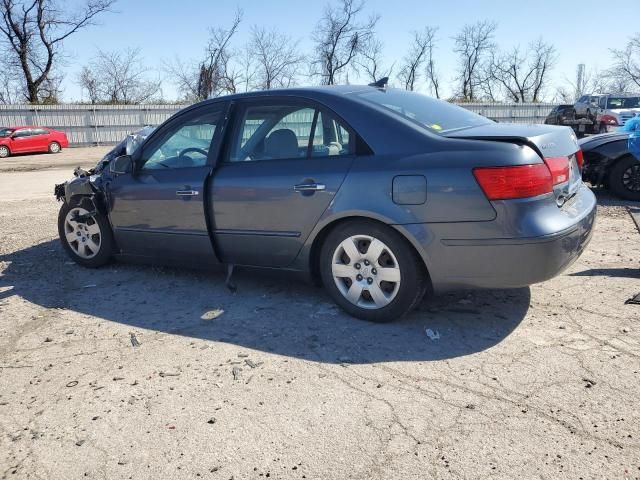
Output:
(187, 193)
(309, 187)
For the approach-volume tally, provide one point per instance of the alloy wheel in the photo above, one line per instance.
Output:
(366, 271)
(631, 178)
(54, 148)
(84, 238)
(4, 152)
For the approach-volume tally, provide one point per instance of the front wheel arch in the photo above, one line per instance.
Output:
(318, 241)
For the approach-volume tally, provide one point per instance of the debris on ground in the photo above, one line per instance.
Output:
(433, 335)
(134, 340)
(635, 300)
(169, 374)
(588, 382)
(236, 372)
(252, 364)
(212, 314)
(72, 383)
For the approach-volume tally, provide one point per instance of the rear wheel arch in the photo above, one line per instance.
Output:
(318, 241)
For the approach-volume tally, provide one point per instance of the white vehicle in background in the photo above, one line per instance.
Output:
(616, 109)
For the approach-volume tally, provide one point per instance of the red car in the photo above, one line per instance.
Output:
(31, 139)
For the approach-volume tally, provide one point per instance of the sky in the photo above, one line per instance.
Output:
(163, 29)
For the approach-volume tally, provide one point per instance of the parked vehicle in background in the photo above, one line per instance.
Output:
(560, 114)
(565, 115)
(616, 109)
(609, 163)
(30, 140)
(587, 106)
(378, 194)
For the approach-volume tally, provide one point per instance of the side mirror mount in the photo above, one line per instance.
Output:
(121, 165)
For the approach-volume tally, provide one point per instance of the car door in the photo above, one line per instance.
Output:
(22, 141)
(285, 160)
(159, 209)
(39, 139)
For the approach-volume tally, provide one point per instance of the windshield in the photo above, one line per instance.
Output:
(623, 102)
(5, 132)
(436, 115)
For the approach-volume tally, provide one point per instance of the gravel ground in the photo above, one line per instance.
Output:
(142, 372)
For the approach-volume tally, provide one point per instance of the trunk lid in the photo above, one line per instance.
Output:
(549, 141)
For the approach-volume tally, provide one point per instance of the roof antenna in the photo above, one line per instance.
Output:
(382, 83)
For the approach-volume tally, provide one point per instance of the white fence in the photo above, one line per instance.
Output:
(108, 124)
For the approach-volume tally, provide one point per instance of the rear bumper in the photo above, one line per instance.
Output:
(510, 261)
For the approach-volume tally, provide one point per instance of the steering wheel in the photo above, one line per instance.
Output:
(193, 149)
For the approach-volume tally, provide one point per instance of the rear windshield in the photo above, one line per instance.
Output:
(5, 132)
(623, 102)
(435, 115)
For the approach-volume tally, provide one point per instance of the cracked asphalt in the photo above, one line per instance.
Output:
(146, 372)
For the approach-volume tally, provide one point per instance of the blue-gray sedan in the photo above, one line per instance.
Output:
(380, 194)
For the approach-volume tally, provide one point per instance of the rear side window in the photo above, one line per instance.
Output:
(39, 131)
(435, 115)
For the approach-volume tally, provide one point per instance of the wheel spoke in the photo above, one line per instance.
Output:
(93, 246)
(350, 249)
(354, 292)
(93, 229)
(378, 296)
(375, 250)
(71, 236)
(391, 274)
(342, 271)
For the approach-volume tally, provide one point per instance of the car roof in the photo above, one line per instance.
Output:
(337, 90)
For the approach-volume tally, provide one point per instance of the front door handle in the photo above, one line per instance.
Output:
(187, 193)
(309, 187)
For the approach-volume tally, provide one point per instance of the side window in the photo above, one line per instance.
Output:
(582, 99)
(330, 138)
(271, 132)
(186, 143)
(39, 131)
(25, 132)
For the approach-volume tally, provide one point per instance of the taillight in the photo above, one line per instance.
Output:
(521, 181)
(609, 119)
(580, 158)
(559, 168)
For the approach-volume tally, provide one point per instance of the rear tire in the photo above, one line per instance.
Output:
(383, 281)
(624, 178)
(89, 243)
(54, 147)
(4, 151)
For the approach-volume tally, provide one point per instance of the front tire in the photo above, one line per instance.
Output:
(624, 178)
(371, 271)
(88, 242)
(54, 147)
(4, 151)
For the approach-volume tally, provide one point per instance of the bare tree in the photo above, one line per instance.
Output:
(523, 74)
(33, 32)
(206, 78)
(473, 44)
(340, 39)
(276, 58)
(118, 78)
(413, 61)
(626, 69)
(371, 61)
(433, 77)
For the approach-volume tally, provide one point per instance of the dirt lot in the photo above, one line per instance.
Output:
(113, 373)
